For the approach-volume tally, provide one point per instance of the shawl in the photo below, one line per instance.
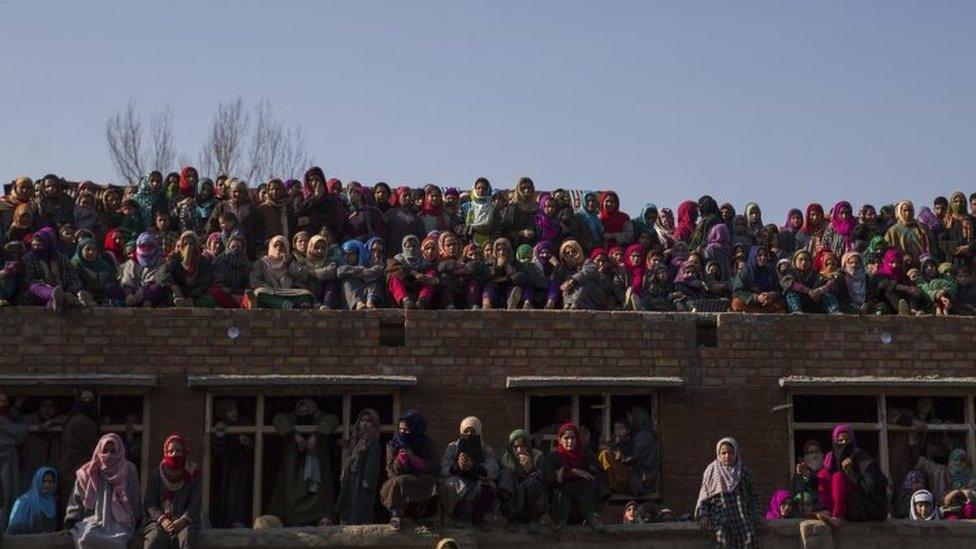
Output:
(719, 478)
(189, 248)
(99, 264)
(49, 243)
(230, 261)
(111, 468)
(416, 439)
(411, 260)
(509, 459)
(361, 439)
(788, 226)
(832, 461)
(687, 216)
(779, 496)
(961, 215)
(593, 221)
(665, 226)
(273, 261)
(929, 219)
(147, 199)
(843, 227)
(549, 227)
(21, 192)
(921, 496)
(186, 189)
(86, 217)
(613, 221)
(34, 503)
(571, 459)
(428, 208)
(481, 210)
(857, 288)
(635, 269)
(308, 189)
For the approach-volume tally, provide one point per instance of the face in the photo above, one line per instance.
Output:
(469, 431)
(235, 245)
(923, 509)
(301, 243)
(830, 263)
(786, 508)
(434, 197)
(501, 251)
(47, 483)
(376, 251)
(907, 211)
(67, 233)
(644, 240)
(726, 454)
(303, 408)
(869, 215)
(550, 208)
(403, 427)
(450, 201)
(814, 457)
(47, 409)
(844, 213)
(726, 213)
(429, 250)
(635, 258)
(37, 245)
(617, 256)
(174, 449)
(482, 188)
(520, 446)
(352, 258)
(754, 215)
(87, 396)
(525, 188)
(619, 430)
(319, 249)
(939, 209)
(762, 258)
(796, 220)
(545, 254)
(410, 247)
(803, 262)
(853, 263)
(629, 513)
(611, 203)
(452, 246)
(50, 187)
(233, 414)
(931, 271)
(276, 190)
(602, 262)
(162, 221)
(109, 448)
(592, 205)
(238, 194)
(366, 422)
(88, 252)
(487, 251)
(279, 247)
(740, 225)
(569, 440)
(815, 217)
(381, 195)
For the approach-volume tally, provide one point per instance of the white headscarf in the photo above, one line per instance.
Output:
(919, 496)
(719, 478)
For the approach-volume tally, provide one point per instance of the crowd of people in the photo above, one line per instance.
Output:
(189, 241)
(90, 487)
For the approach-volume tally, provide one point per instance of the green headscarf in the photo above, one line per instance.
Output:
(99, 264)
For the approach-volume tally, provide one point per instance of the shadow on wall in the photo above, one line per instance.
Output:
(785, 534)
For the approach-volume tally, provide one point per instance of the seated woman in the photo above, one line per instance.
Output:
(955, 475)
(592, 286)
(410, 276)
(411, 470)
(728, 504)
(320, 272)
(612, 457)
(191, 275)
(756, 288)
(852, 486)
(658, 292)
(36, 512)
(304, 490)
(502, 288)
(454, 290)
(959, 504)
(923, 507)
(521, 481)
(805, 290)
(362, 274)
(360, 471)
(895, 289)
(49, 277)
(105, 506)
(232, 273)
(173, 499)
(273, 280)
(144, 278)
(469, 471)
(98, 274)
(571, 474)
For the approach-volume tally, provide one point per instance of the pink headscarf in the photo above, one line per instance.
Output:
(840, 226)
(687, 216)
(779, 496)
(894, 273)
(636, 270)
(112, 468)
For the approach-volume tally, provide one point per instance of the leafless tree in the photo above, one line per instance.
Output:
(127, 146)
(275, 151)
(124, 135)
(222, 152)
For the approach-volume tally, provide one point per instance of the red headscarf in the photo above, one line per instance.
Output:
(185, 188)
(636, 270)
(887, 270)
(808, 226)
(175, 471)
(402, 195)
(615, 221)
(333, 185)
(111, 247)
(597, 252)
(570, 459)
(687, 217)
(112, 468)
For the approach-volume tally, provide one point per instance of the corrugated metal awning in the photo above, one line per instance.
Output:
(534, 382)
(279, 380)
(114, 380)
(877, 381)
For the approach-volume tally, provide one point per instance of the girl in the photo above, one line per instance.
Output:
(361, 471)
(727, 501)
(923, 507)
(838, 236)
(173, 498)
(617, 230)
(105, 506)
(780, 506)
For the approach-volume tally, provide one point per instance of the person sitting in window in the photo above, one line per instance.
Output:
(304, 489)
(805, 479)
(902, 499)
(105, 506)
(469, 471)
(411, 468)
(173, 499)
(923, 507)
(852, 486)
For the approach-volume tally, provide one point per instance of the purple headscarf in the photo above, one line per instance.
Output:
(49, 240)
(779, 496)
(929, 219)
(548, 227)
(787, 226)
(148, 252)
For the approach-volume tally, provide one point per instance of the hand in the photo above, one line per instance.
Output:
(166, 523)
(525, 461)
(220, 427)
(583, 474)
(802, 469)
(178, 525)
(848, 465)
(528, 233)
(300, 442)
(464, 462)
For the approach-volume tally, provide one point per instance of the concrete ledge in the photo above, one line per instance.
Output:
(244, 380)
(784, 534)
(523, 382)
(877, 381)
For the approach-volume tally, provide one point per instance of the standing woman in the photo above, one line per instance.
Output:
(173, 499)
(617, 229)
(518, 220)
(478, 218)
(588, 215)
(571, 473)
(105, 506)
(907, 234)
(838, 235)
(728, 504)
(411, 469)
(361, 471)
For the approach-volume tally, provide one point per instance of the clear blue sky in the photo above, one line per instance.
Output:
(779, 102)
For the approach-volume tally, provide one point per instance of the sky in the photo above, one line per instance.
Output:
(783, 103)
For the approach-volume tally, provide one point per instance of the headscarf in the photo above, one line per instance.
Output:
(270, 260)
(788, 226)
(918, 497)
(525, 201)
(49, 244)
(366, 256)
(720, 249)
(576, 259)
(615, 221)
(509, 460)
(593, 221)
(764, 278)
(428, 208)
(886, 270)
(307, 189)
(832, 460)
(21, 192)
(481, 208)
(929, 219)
(636, 270)
(856, 281)
(205, 206)
(754, 228)
(361, 439)
(960, 214)
(808, 224)
(523, 254)
(665, 226)
(571, 459)
(640, 222)
(147, 199)
(719, 478)
(416, 439)
(185, 189)
(549, 227)
(148, 251)
(779, 496)
(958, 470)
(175, 471)
(99, 264)
(901, 217)
(85, 216)
(113, 469)
(841, 226)
(34, 503)
(231, 261)
(413, 259)
(913, 477)
(687, 217)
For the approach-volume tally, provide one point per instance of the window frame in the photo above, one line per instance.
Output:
(259, 429)
(882, 427)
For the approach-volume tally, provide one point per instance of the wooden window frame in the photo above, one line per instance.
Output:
(259, 428)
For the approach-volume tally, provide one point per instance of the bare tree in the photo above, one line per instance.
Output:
(161, 125)
(222, 152)
(124, 135)
(275, 151)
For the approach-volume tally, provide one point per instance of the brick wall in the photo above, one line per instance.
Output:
(462, 359)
